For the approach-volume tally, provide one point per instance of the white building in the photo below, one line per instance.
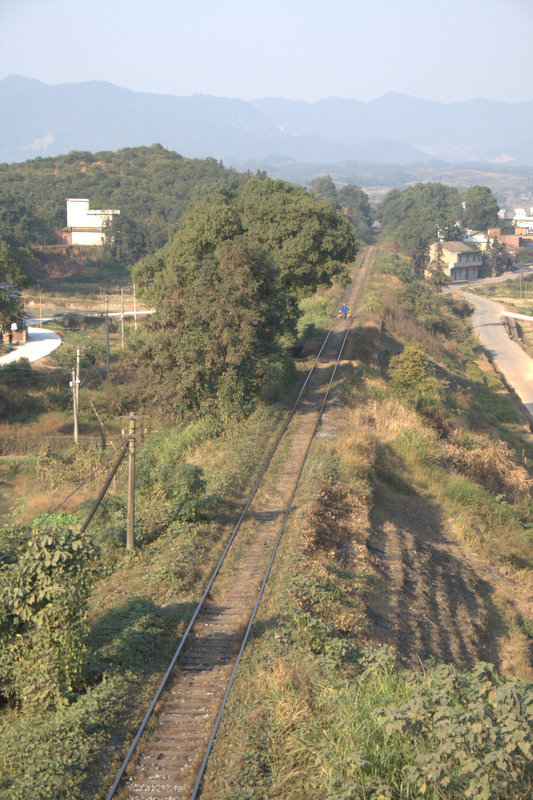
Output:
(86, 226)
(523, 220)
(476, 237)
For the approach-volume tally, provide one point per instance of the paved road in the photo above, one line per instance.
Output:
(509, 357)
(506, 276)
(40, 344)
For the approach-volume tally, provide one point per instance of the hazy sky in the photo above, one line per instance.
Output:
(443, 50)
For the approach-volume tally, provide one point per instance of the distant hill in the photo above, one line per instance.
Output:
(472, 130)
(42, 120)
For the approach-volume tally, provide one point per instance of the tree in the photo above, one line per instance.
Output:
(219, 319)
(354, 204)
(226, 287)
(481, 208)
(435, 271)
(324, 189)
(409, 373)
(420, 256)
(19, 226)
(420, 213)
(494, 255)
(13, 277)
(125, 238)
(309, 242)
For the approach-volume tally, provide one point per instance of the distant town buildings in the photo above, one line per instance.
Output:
(86, 226)
(515, 231)
(476, 237)
(523, 221)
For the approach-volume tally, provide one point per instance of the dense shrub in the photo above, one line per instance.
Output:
(409, 374)
(42, 624)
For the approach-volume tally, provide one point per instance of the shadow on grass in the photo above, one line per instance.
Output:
(139, 636)
(435, 604)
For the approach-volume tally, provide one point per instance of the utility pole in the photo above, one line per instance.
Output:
(130, 532)
(122, 315)
(78, 378)
(107, 335)
(75, 383)
(105, 487)
(75, 405)
(40, 310)
(134, 308)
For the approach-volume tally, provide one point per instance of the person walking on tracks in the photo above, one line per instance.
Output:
(344, 310)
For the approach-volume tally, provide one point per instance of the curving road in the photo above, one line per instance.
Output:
(511, 360)
(40, 343)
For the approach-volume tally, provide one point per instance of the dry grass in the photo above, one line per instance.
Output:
(357, 447)
(491, 463)
(47, 424)
(401, 324)
(515, 650)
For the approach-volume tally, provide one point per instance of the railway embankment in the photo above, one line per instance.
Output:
(412, 535)
(405, 561)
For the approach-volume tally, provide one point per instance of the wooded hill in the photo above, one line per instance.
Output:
(150, 185)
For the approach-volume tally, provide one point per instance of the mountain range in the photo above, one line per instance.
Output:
(44, 120)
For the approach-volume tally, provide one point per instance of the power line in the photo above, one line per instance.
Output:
(103, 464)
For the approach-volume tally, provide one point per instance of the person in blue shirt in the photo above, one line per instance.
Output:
(344, 310)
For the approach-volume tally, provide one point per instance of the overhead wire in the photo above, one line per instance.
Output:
(103, 464)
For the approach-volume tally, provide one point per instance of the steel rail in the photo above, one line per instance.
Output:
(267, 573)
(235, 530)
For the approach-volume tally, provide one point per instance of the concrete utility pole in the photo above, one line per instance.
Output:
(107, 336)
(78, 378)
(134, 308)
(122, 315)
(130, 531)
(75, 383)
(74, 405)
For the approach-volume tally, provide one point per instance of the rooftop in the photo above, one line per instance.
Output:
(458, 247)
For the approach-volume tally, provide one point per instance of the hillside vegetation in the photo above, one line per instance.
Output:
(412, 541)
(150, 185)
(392, 657)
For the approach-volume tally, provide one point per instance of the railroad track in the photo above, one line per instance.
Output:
(167, 758)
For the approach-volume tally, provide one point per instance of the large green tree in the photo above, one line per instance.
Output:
(308, 241)
(218, 321)
(125, 238)
(226, 287)
(481, 208)
(420, 214)
(13, 277)
(354, 204)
